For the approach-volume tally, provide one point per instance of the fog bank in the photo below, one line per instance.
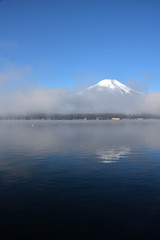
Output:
(18, 95)
(45, 100)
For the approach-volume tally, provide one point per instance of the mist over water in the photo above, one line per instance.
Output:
(19, 94)
(41, 100)
(81, 178)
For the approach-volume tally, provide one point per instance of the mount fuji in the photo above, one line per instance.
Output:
(111, 86)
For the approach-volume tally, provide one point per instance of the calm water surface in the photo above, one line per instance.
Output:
(81, 179)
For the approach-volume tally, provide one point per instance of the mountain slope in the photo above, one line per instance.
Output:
(111, 86)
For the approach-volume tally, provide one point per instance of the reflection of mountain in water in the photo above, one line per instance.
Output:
(79, 141)
(113, 155)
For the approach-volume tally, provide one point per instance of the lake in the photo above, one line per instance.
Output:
(80, 179)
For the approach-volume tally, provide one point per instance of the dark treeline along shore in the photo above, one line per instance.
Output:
(78, 116)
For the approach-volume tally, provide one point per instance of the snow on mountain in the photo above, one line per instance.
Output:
(111, 86)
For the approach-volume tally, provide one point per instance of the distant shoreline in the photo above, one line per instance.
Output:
(80, 116)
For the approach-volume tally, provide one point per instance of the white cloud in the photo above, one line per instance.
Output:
(18, 94)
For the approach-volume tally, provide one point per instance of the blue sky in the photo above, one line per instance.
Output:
(69, 43)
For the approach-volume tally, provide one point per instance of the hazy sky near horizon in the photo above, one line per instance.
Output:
(69, 44)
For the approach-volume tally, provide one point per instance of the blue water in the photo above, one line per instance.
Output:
(80, 179)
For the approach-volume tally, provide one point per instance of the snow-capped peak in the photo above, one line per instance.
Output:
(112, 85)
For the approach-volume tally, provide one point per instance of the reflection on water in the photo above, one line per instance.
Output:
(113, 155)
(52, 178)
